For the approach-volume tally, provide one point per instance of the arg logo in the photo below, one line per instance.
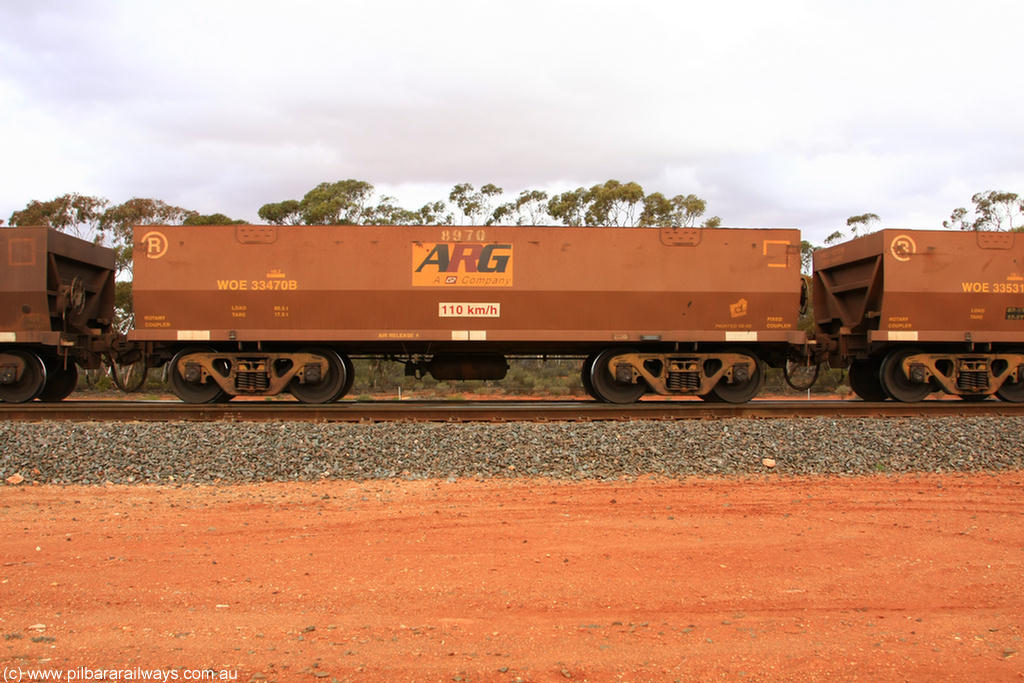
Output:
(461, 264)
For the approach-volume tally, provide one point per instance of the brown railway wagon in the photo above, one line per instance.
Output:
(261, 309)
(913, 311)
(56, 310)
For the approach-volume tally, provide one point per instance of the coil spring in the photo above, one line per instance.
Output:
(972, 380)
(252, 381)
(683, 381)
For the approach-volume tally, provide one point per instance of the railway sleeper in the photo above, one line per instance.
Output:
(691, 373)
(965, 374)
(251, 374)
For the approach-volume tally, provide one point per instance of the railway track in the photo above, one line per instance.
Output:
(485, 411)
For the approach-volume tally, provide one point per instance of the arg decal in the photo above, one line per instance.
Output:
(461, 264)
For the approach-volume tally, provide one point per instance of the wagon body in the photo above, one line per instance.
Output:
(418, 287)
(921, 286)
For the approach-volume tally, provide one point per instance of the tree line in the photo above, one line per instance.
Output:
(613, 203)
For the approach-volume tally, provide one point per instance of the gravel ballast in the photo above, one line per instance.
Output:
(200, 452)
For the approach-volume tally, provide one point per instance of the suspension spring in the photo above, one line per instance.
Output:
(972, 380)
(683, 381)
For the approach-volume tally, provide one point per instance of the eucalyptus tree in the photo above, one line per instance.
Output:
(992, 211)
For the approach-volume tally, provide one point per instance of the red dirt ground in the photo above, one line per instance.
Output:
(856, 579)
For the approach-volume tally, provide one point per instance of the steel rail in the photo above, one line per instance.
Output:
(487, 411)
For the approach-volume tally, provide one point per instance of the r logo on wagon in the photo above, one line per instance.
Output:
(903, 247)
(155, 244)
(461, 264)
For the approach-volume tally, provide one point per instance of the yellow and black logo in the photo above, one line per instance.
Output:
(461, 264)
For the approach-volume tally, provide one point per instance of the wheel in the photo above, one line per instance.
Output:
(897, 384)
(1012, 392)
(331, 386)
(606, 388)
(741, 392)
(32, 381)
(863, 378)
(60, 381)
(585, 371)
(350, 376)
(193, 392)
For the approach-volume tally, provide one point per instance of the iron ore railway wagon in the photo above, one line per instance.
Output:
(916, 311)
(56, 312)
(259, 310)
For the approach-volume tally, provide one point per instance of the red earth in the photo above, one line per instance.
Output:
(914, 578)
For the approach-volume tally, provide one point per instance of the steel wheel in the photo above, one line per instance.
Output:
(585, 370)
(863, 378)
(330, 387)
(32, 381)
(350, 376)
(1012, 392)
(193, 392)
(741, 392)
(60, 381)
(606, 388)
(897, 384)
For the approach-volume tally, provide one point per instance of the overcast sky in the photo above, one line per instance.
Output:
(789, 114)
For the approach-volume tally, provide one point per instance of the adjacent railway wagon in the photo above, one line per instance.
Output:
(56, 311)
(257, 310)
(913, 312)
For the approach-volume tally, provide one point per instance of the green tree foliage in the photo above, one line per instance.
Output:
(612, 203)
(349, 202)
(569, 207)
(73, 213)
(855, 223)
(992, 211)
(434, 213)
(475, 205)
(615, 204)
(388, 212)
(338, 203)
(679, 211)
(211, 219)
(529, 208)
(288, 212)
(624, 204)
(806, 256)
